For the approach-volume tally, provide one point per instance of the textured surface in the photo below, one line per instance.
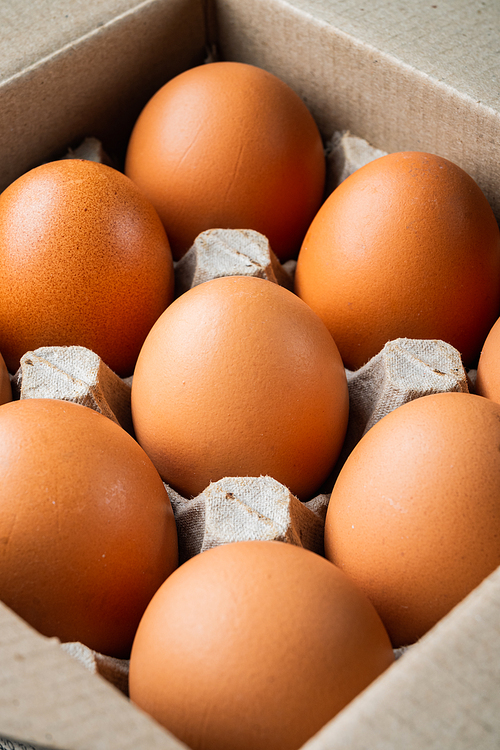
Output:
(87, 75)
(238, 509)
(454, 42)
(72, 373)
(229, 252)
(45, 26)
(112, 669)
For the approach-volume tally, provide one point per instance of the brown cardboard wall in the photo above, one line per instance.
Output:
(49, 699)
(353, 84)
(96, 84)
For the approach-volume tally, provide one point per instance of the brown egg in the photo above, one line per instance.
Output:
(5, 386)
(84, 260)
(488, 368)
(407, 246)
(87, 533)
(228, 145)
(414, 517)
(240, 378)
(255, 646)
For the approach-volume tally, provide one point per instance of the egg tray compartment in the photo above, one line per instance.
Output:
(244, 508)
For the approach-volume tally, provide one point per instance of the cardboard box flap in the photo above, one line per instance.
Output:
(49, 699)
(444, 692)
(452, 41)
(357, 67)
(419, 77)
(96, 84)
(32, 31)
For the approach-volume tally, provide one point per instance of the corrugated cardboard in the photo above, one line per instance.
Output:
(423, 77)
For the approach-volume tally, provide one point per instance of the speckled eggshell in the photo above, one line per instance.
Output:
(407, 246)
(87, 533)
(255, 646)
(229, 145)
(414, 517)
(488, 368)
(84, 260)
(5, 386)
(240, 378)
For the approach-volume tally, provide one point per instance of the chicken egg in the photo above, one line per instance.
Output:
(255, 646)
(87, 532)
(231, 146)
(414, 516)
(407, 246)
(84, 260)
(239, 377)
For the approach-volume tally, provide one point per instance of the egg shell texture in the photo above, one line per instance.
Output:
(414, 517)
(84, 260)
(231, 146)
(87, 533)
(240, 378)
(254, 645)
(407, 246)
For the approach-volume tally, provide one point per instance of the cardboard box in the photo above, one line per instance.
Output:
(422, 78)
